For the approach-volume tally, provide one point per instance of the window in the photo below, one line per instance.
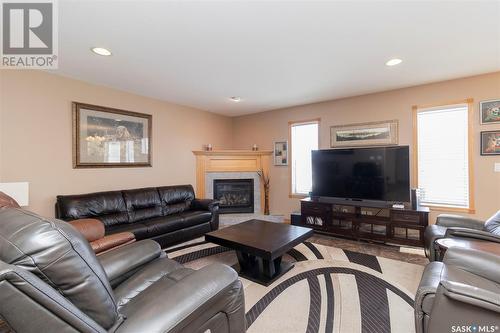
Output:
(443, 148)
(303, 139)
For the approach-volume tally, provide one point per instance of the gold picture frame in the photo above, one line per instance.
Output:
(379, 133)
(105, 137)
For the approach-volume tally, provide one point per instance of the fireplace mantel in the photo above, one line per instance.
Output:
(230, 161)
(232, 152)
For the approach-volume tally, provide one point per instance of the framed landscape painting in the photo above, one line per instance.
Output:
(281, 153)
(381, 133)
(490, 143)
(105, 137)
(490, 112)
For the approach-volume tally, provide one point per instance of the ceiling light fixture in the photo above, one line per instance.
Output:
(101, 51)
(235, 99)
(393, 62)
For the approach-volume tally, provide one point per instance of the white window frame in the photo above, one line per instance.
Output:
(290, 150)
(470, 150)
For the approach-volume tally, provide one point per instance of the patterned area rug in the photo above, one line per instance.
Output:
(328, 290)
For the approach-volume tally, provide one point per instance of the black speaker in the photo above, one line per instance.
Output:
(414, 198)
(295, 218)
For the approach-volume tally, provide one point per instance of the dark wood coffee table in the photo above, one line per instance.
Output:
(444, 244)
(259, 246)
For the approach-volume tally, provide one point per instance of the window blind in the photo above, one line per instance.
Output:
(304, 139)
(443, 161)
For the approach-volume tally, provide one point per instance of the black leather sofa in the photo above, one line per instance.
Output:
(168, 215)
(51, 281)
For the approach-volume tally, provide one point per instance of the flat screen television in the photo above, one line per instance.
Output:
(378, 174)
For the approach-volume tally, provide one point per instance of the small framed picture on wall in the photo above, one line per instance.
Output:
(490, 112)
(280, 153)
(490, 143)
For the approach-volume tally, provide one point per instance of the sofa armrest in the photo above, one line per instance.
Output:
(457, 303)
(129, 257)
(432, 233)
(486, 299)
(428, 284)
(205, 204)
(449, 220)
(484, 264)
(112, 242)
(91, 229)
(471, 233)
(210, 205)
(195, 300)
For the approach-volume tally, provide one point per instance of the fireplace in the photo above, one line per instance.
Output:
(235, 195)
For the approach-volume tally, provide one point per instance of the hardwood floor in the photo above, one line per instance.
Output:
(376, 249)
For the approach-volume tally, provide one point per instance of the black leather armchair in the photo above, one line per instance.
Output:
(51, 281)
(463, 227)
(461, 291)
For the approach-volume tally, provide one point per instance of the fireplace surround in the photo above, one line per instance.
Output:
(231, 164)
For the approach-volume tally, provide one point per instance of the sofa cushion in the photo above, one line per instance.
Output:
(191, 299)
(493, 224)
(57, 253)
(196, 217)
(139, 230)
(182, 235)
(176, 199)
(109, 207)
(164, 224)
(162, 268)
(143, 203)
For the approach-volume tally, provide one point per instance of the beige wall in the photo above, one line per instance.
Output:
(264, 128)
(35, 134)
(35, 137)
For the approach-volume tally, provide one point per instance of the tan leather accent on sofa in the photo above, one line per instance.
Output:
(7, 201)
(111, 242)
(93, 231)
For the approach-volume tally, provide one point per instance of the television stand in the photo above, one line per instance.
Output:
(375, 221)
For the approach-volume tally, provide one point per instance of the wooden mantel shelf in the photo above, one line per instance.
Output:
(232, 152)
(230, 161)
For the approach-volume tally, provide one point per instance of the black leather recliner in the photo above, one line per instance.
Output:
(168, 215)
(51, 281)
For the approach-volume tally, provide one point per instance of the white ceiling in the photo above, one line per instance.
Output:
(274, 54)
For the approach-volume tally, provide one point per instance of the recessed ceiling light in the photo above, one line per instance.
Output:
(235, 99)
(101, 51)
(393, 62)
